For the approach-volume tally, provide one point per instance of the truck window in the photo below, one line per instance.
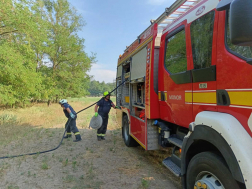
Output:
(202, 37)
(175, 55)
(241, 51)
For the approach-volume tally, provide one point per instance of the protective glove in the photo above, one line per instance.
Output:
(117, 107)
(72, 115)
(96, 114)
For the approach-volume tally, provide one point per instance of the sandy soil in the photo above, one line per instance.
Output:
(87, 164)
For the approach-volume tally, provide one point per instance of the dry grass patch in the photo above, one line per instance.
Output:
(132, 170)
(86, 164)
(3, 167)
(30, 124)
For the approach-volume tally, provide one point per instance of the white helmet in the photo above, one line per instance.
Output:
(63, 101)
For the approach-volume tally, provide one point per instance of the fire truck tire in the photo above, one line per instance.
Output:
(128, 140)
(209, 170)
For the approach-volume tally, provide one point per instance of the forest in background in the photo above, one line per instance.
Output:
(97, 88)
(41, 55)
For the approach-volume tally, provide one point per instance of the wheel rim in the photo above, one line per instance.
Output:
(207, 180)
(125, 131)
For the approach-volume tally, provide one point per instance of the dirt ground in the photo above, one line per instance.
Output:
(88, 164)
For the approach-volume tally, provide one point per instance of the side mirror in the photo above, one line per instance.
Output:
(241, 22)
(223, 5)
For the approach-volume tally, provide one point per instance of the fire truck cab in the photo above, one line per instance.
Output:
(187, 84)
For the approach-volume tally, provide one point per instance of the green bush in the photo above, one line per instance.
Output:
(7, 119)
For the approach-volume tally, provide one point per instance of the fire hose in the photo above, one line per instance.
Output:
(41, 152)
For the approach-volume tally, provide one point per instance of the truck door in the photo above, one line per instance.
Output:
(203, 32)
(175, 81)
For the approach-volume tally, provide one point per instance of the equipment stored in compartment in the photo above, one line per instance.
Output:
(164, 133)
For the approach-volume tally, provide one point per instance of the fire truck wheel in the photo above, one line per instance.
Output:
(208, 170)
(128, 140)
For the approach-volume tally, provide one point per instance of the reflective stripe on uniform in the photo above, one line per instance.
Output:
(77, 133)
(69, 134)
(100, 134)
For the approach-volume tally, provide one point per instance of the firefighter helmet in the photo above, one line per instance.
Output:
(63, 101)
(106, 93)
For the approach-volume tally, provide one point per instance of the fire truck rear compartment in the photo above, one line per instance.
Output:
(132, 96)
(138, 100)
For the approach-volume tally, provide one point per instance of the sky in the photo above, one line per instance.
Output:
(111, 25)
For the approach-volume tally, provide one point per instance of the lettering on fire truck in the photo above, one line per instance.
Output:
(175, 97)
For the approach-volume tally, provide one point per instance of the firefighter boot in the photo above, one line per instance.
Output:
(77, 138)
(102, 137)
(99, 138)
(68, 135)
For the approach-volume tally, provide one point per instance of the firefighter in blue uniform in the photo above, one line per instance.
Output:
(72, 116)
(105, 105)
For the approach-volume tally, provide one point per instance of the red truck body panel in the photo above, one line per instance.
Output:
(182, 102)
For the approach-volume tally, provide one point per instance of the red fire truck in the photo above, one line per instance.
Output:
(189, 86)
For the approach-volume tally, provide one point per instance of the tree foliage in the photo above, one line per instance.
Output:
(202, 39)
(97, 88)
(41, 55)
(175, 57)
